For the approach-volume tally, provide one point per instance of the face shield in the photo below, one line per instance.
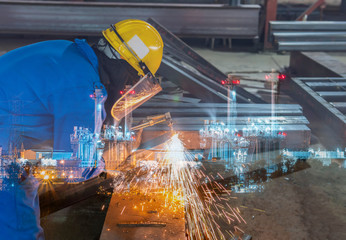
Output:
(147, 87)
(115, 73)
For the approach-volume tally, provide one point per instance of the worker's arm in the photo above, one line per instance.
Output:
(19, 205)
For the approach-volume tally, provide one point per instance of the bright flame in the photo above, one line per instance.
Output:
(177, 178)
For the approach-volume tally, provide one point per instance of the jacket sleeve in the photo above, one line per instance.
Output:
(19, 209)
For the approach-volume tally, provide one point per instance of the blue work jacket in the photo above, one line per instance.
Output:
(45, 90)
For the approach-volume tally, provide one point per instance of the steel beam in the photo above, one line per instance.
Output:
(307, 26)
(207, 74)
(199, 121)
(197, 127)
(333, 95)
(189, 118)
(312, 46)
(176, 47)
(213, 112)
(309, 36)
(240, 106)
(323, 79)
(280, 120)
(89, 18)
(298, 136)
(173, 73)
(319, 103)
(326, 86)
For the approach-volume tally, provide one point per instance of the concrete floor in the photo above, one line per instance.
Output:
(251, 68)
(341, 56)
(244, 62)
(309, 204)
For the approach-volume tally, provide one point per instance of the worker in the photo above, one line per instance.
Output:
(46, 88)
(49, 87)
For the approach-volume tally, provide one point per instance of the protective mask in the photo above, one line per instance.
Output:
(114, 74)
(146, 88)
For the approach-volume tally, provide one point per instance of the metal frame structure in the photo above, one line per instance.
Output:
(327, 98)
(309, 10)
(308, 35)
(319, 86)
(189, 118)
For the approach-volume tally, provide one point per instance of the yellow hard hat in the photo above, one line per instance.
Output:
(138, 43)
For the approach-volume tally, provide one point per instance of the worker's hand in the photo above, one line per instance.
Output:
(19, 206)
